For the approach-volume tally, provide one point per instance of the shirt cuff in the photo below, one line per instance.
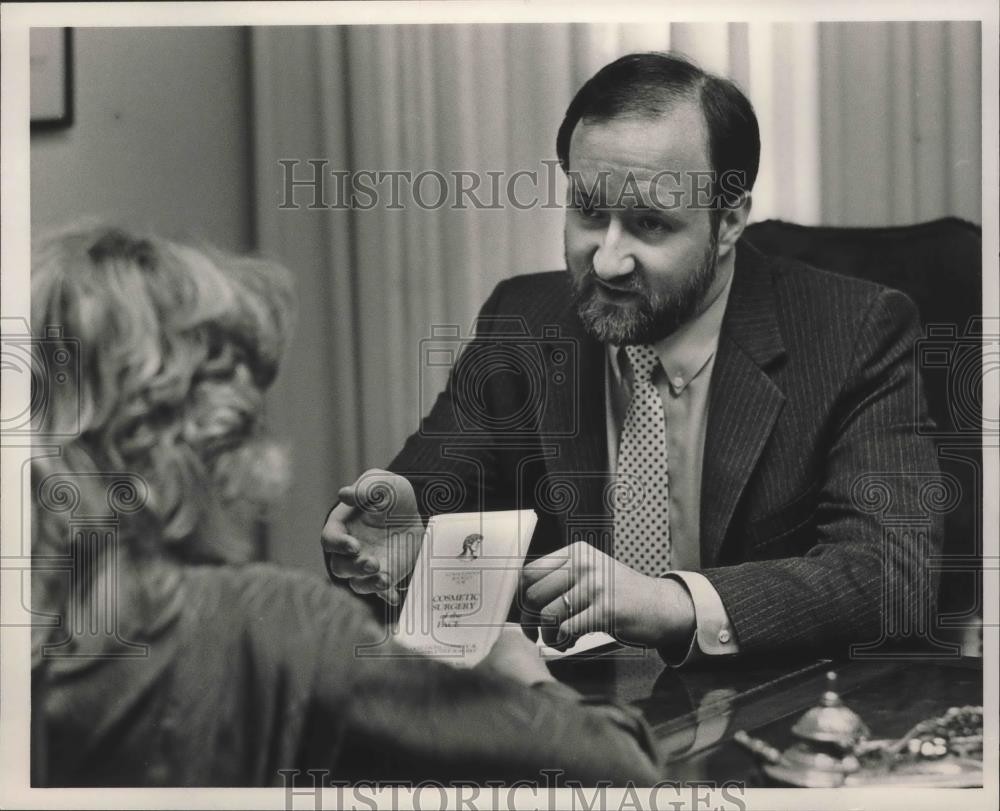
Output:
(714, 635)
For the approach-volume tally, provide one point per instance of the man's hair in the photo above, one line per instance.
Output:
(646, 85)
(175, 347)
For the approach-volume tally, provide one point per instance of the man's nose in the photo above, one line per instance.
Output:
(612, 259)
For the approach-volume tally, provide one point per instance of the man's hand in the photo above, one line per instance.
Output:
(579, 589)
(373, 536)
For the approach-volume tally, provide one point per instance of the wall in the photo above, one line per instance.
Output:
(160, 138)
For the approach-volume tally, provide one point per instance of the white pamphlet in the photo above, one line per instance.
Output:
(595, 639)
(463, 584)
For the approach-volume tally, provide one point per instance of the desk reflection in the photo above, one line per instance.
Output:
(694, 712)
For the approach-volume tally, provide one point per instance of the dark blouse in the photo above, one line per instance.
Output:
(255, 669)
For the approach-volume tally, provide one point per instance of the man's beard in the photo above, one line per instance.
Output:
(649, 319)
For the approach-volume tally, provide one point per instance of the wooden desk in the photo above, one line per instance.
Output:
(694, 713)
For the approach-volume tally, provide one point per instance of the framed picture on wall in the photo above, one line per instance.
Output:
(51, 78)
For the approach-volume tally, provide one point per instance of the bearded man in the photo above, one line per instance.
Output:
(698, 428)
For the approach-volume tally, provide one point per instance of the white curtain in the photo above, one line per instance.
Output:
(474, 98)
(901, 122)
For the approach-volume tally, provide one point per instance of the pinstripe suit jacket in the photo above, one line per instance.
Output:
(813, 528)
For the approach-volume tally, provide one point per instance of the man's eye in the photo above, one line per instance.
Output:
(653, 225)
(588, 210)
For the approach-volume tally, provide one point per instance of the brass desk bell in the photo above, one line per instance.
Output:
(834, 748)
(823, 757)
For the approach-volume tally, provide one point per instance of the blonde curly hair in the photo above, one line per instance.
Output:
(175, 349)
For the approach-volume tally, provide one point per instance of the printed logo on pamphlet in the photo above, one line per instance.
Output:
(471, 546)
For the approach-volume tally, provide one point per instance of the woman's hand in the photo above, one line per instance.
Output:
(516, 657)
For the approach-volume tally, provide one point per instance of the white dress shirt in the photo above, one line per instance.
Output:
(687, 357)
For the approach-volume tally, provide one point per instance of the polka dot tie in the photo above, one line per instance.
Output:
(642, 514)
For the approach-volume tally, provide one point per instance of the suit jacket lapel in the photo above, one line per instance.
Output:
(744, 402)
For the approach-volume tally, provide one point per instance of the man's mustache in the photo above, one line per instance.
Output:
(633, 283)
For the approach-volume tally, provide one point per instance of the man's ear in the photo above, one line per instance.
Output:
(731, 224)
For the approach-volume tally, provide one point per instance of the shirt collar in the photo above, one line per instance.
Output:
(686, 352)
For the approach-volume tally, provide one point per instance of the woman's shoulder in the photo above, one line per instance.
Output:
(255, 581)
(275, 605)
